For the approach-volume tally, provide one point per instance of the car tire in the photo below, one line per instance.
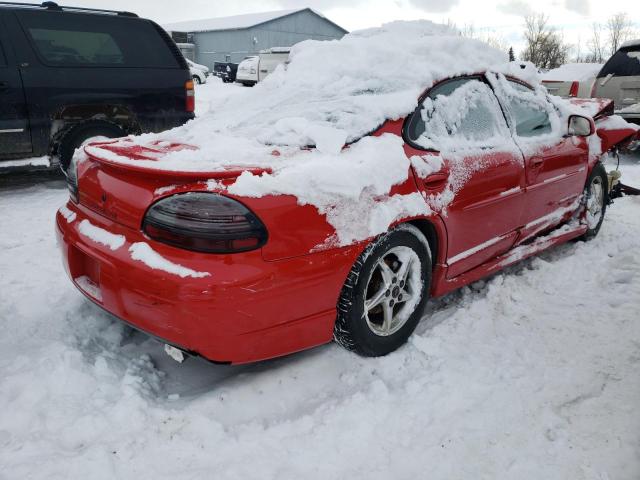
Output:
(197, 80)
(78, 134)
(595, 201)
(374, 317)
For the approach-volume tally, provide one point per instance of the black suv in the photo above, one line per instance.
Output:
(68, 74)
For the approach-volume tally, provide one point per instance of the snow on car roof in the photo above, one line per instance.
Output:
(350, 86)
(573, 72)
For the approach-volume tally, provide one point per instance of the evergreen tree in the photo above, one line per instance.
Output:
(512, 56)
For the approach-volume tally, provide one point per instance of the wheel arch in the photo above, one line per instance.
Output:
(70, 117)
(434, 231)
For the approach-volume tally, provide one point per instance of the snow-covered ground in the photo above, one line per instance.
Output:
(532, 374)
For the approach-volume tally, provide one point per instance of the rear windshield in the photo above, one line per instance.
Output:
(75, 40)
(624, 63)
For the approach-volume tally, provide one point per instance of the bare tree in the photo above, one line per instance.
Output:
(619, 30)
(545, 45)
(596, 47)
(468, 30)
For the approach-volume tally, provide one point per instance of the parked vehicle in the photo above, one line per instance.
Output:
(226, 71)
(504, 213)
(248, 71)
(619, 80)
(68, 74)
(573, 80)
(338, 204)
(198, 72)
(256, 68)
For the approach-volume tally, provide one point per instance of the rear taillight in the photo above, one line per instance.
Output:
(204, 222)
(190, 105)
(575, 88)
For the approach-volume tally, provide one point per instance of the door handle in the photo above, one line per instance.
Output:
(536, 162)
(435, 180)
(4, 86)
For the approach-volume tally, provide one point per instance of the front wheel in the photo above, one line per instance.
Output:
(196, 80)
(595, 199)
(385, 294)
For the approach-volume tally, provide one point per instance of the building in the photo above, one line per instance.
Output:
(230, 39)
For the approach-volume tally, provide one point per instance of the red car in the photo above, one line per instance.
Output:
(236, 278)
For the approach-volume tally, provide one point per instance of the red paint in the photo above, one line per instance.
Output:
(282, 298)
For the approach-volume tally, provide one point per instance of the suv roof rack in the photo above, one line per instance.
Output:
(55, 6)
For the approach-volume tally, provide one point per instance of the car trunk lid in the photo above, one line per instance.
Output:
(118, 180)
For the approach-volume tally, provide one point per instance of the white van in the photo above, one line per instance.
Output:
(256, 68)
(248, 71)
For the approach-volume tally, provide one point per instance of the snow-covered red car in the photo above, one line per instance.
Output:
(334, 202)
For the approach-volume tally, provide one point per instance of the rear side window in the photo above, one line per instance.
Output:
(624, 63)
(76, 40)
(457, 115)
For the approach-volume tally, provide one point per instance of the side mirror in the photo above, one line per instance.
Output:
(581, 126)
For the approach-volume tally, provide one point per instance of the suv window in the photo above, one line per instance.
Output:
(458, 114)
(530, 118)
(73, 39)
(624, 63)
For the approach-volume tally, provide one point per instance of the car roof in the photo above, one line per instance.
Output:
(52, 6)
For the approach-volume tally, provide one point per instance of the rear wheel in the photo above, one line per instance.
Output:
(595, 199)
(75, 137)
(385, 293)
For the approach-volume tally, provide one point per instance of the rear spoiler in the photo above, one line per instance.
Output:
(123, 154)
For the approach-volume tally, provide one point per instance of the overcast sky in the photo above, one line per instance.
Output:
(502, 16)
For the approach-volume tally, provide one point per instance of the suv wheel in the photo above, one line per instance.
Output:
(78, 134)
(385, 294)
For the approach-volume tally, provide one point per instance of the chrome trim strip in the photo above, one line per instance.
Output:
(12, 130)
(476, 249)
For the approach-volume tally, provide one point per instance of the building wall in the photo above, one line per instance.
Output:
(283, 32)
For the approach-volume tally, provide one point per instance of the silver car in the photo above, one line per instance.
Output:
(619, 80)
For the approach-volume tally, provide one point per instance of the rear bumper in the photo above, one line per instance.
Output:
(246, 309)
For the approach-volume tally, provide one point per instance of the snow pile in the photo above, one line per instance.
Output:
(334, 90)
(573, 72)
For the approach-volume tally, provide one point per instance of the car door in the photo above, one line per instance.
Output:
(15, 137)
(469, 169)
(555, 163)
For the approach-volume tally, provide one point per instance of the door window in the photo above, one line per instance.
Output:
(75, 39)
(531, 113)
(531, 118)
(458, 114)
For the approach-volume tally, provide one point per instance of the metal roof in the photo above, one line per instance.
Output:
(235, 22)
